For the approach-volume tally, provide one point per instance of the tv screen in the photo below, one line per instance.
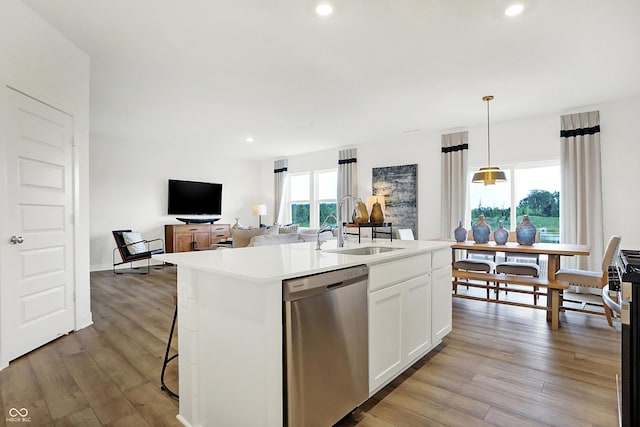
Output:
(194, 198)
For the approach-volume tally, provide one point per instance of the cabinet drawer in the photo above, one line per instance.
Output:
(220, 231)
(383, 275)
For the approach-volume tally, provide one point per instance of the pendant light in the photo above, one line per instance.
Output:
(491, 174)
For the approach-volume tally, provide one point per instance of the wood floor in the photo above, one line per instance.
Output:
(501, 366)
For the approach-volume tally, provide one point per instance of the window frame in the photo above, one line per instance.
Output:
(290, 201)
(512, 187)
(314, 191)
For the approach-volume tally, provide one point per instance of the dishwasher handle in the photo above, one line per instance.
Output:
(306, 286)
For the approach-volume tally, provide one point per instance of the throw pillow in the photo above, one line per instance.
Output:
(134, 237)
(274, 229)
(287, 229)
(277, 239)
(241, 238)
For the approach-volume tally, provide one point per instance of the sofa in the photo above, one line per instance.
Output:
(276, 235)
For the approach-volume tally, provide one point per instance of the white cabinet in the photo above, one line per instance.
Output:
(385, 335)
(416, 318)
(441, 303)
(399, 328)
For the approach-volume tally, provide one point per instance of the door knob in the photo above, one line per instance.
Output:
(16, 240)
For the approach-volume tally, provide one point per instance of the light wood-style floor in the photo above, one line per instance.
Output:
(501, 366)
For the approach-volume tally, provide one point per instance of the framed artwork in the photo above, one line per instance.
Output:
(398, 186)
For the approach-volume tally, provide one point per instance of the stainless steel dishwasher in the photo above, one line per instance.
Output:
(326, 344)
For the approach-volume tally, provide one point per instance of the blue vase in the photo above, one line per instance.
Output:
(526, 232)
(501, 236)
(460, 233)
(481, 231)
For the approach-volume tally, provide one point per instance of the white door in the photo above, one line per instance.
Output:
(37, 256)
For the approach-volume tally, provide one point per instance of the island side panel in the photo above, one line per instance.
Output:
(234, 354)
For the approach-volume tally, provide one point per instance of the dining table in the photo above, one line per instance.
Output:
(553, 251)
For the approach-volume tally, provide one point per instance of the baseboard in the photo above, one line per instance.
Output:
(100, 267)
(84, 321)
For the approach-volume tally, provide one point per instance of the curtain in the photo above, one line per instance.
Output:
(347, 180)
(455, 168)
(280, 173)
(581, 189)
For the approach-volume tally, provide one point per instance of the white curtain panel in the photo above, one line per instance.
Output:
(455, 169)
(280, 174)
(581, 190)
(347, 180)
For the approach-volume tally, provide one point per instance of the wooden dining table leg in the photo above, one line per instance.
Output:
(553, 265)
(554, 308)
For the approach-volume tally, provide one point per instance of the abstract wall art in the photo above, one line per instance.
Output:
(398, 186)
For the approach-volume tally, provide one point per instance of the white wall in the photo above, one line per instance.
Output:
(620, 141)
(129, 188)
(534, 139)
(39, 61)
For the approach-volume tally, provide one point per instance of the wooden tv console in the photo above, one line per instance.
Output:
(193, 237)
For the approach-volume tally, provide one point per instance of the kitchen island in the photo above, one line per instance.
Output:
(230, 320)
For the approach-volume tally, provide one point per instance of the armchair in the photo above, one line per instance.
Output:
(132, 247)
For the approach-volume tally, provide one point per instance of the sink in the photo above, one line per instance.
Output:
(366, 250)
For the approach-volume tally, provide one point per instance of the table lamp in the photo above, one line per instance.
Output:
(260, 210)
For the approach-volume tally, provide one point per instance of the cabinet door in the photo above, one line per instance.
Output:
(385, 334)
(441, 303)
(416, 318)
(183, 242)
(201, 240)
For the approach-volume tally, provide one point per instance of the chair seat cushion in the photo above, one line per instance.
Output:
(519, 268)
(592, 279)
(475, 265)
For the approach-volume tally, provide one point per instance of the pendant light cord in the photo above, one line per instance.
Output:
(488, 135)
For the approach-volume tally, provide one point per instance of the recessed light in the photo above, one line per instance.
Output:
(250, 139)
(514, 10)
(324, 9)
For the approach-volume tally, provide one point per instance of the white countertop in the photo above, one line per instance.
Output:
(277, 262)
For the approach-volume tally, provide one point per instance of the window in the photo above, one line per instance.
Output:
(529, 190)
(312, 198)
(299, 200)
(327, 192)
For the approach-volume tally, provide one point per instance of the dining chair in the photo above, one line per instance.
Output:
(404, 234)
(476, 261)
(520, 264)
(592, 279)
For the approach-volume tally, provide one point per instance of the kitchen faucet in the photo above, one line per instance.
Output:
(323, 229)
(340, 225)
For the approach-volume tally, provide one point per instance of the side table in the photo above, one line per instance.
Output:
(374, 229)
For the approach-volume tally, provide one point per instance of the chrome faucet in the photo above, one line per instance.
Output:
(340, 225)
(323, 229)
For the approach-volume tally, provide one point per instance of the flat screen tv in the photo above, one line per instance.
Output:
(194, 198)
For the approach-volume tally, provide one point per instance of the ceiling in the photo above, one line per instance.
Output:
(213, 72)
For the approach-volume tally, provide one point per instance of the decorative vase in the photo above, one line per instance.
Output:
(377, 217)
(360, 214)
(481, 231)
(236, 225)
(500, 235)
(460, 233)
(526, 232)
